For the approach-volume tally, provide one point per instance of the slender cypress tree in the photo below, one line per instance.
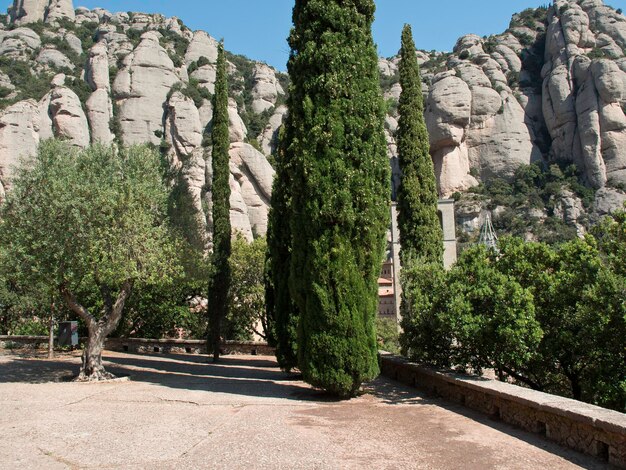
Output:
(340, 190)
(279, 304)
(420, 231)
(220, 280)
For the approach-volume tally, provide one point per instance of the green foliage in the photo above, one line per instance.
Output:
(192, 90)
(86, 32)
(23, 305)
(548, 317)
(512, 78)
(221, 279)
(134, 36)
(80, 87)
(340, 189)
(90, 224)
(534, 187)
(530, 17)
(282, 312)
(202, 61)
(95, 215)
(242, 84)
(196, 92)
(175, 44)
(166, 309)
(472, 317)
(29, 84)
(387, 335)
(246, 299)
(598, 53)
(436, 63)
(258, 122)
(420, 231)
(489, 44)
(386, 82)
(114, 123)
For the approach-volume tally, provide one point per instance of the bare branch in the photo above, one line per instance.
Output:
(77, 308)
(111, 320)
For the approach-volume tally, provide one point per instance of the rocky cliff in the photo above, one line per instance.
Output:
(550, 89)
(93, 76)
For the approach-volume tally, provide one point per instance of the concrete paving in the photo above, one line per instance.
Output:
(178, 412)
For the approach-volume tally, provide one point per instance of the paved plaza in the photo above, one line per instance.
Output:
(179, 412)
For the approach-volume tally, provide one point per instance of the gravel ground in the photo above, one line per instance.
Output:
(179, 412)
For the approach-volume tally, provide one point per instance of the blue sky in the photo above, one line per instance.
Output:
(258, 29)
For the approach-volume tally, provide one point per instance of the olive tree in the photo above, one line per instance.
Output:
(89, 220)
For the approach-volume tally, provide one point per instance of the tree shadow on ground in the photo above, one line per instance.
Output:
(35, 369)
(254, 377)
(244, 376)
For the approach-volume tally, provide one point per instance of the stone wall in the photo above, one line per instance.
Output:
(185, 346)
(577, 425)
(23, 342)
(141, 345)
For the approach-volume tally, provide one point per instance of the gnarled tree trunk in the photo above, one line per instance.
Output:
(92, 368)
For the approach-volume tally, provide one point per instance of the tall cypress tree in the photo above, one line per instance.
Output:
(220, 280)
(340, 190)
(279, 304)
(420, 231)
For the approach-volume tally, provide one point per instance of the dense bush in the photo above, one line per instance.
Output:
(29, 84)
(533, 187)
(549, 317)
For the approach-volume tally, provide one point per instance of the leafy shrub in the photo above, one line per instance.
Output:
(86, 32)
(387, 335)
(29, 85)
(64, 47)
(597, 53)
(202, 61)
(192, 67)
(134, 36)
(80, 87)
(546, 317)
(386, 82)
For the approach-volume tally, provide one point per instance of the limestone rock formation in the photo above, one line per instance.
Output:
(99, 104)
(28, 11)
(251, 188)
(268, 138)
(205, 76)
(141, 88)
(54, 58)
(202, 45)
(58, 9)
(183, 127)
(18, 43)
(266, 88)
(583, 96)
(68, 118)
(31, 11)
(238, 131)
(19, 136)
(551, 88)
